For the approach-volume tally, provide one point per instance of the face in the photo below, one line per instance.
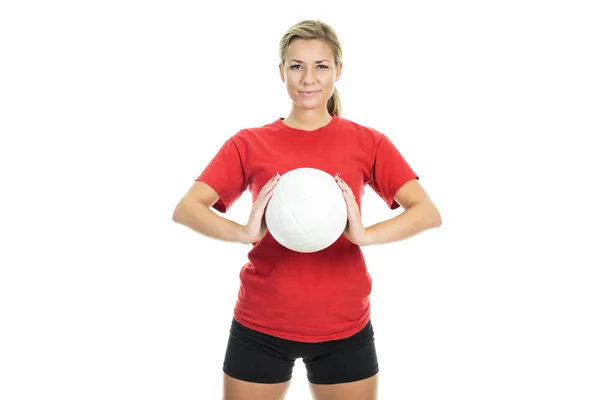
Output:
(310, 73)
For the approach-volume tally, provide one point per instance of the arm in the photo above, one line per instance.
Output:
(420, 214)
(193, 211)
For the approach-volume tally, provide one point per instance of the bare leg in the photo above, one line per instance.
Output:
(365, 389)
(235, 389)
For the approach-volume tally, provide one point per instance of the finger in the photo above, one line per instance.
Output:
(263, 200)
(343, 183)
(350, 192)
(259, 208)
(347, 188)
(270, 184)
(350, 200)
(351, 203)
(353, 216)
(264, 195)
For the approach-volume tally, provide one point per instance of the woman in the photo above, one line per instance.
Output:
(313, 306)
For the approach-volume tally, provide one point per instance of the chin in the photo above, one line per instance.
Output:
(309, 106)
(313, 101)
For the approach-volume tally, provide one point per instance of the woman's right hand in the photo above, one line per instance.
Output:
(256, 228)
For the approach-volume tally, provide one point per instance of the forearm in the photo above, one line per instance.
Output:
(198, 217)
(415, 219)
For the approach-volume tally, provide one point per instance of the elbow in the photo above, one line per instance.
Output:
(435, 217)
(175, 216)
(177, 213)
(185, 210)
(438, 220)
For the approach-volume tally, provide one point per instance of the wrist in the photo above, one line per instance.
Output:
(242, 235)
(367, 238)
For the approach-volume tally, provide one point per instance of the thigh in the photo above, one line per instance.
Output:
(255, 357)
(364, 389)
(235, 389)
(343, 361)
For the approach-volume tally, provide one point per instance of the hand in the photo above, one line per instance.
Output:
(256, 228)
(355, 231)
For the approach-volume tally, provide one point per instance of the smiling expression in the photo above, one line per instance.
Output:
(310, 73)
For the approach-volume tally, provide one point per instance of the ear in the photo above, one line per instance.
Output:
(281, 75)
(338, 73)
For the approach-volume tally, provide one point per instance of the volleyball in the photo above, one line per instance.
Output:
(307, 211)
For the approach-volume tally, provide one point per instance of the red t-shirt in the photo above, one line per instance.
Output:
(306, 297)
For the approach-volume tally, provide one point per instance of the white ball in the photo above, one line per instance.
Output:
(307, 211)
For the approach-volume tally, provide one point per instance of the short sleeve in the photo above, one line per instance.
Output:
(225, 174)
(390, 171)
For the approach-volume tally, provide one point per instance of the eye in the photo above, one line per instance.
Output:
(298, 65)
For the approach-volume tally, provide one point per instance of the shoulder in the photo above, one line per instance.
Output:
(255, 133)
(368, 135)
(358, 128)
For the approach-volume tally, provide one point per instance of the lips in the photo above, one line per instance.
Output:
(308, 92)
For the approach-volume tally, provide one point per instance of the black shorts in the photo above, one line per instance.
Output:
(257, 357)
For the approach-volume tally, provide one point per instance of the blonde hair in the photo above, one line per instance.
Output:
(312, 29)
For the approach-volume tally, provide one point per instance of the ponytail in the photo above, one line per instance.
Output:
(334, 104)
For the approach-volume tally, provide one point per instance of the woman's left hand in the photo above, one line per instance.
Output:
(355, 231)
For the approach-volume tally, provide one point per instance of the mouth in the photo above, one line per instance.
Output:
(308, 92)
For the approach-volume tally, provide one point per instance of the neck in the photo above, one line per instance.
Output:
(308, 119)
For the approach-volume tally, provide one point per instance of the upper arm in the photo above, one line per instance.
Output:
(411, 193)
(203, 193)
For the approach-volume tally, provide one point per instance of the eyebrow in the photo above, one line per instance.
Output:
(317, 62)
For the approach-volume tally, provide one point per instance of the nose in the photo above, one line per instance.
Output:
(308, 77)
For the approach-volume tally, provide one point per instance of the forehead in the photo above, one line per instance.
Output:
(309, 50)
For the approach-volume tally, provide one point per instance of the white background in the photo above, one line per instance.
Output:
(110, 110)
